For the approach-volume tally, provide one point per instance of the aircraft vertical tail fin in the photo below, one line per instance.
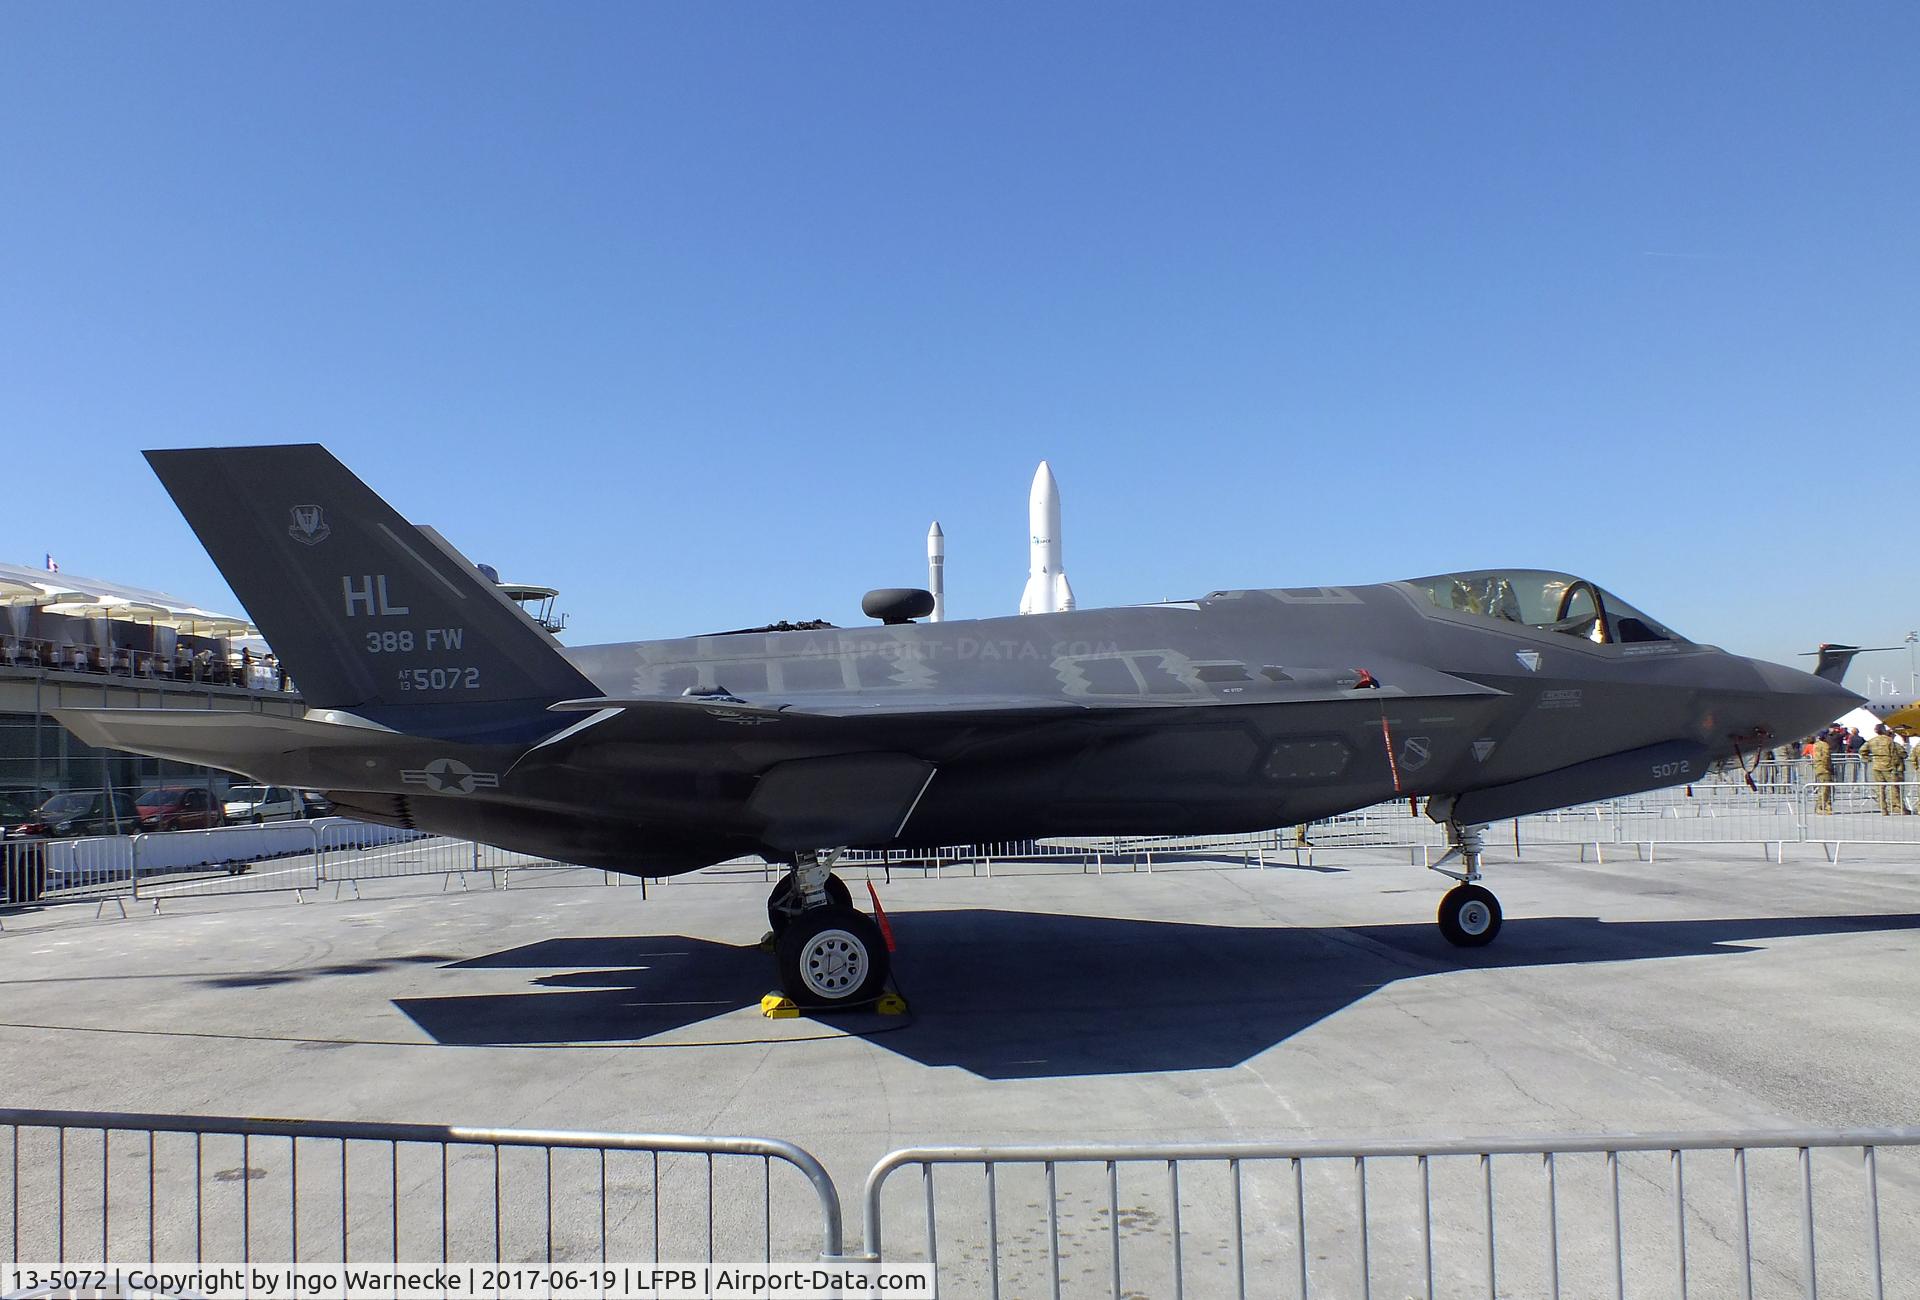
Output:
(1833, 662)
(368, 613)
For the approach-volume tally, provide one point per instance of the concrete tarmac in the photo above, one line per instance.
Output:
(1712, 989)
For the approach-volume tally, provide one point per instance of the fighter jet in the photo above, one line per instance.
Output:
(437, 704)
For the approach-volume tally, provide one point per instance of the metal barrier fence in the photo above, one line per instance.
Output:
(287, 855)
(1717, 1213)
(188, 863)
(1722, 1213)
(89, 1187)
(303, 855)
(1772, 818)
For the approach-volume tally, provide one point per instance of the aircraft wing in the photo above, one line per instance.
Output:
(850, 705)
(1398, 682)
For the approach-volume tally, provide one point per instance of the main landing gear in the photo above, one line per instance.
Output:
(830, 955)
(1469, 915)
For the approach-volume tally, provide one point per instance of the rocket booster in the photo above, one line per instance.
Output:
(1047, 590)
(937, 571)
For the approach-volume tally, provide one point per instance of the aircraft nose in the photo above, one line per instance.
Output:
(1798, 703)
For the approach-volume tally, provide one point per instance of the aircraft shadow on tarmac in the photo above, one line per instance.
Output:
(1009, 995)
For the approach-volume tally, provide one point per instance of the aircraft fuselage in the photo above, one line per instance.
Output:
(1245, 710)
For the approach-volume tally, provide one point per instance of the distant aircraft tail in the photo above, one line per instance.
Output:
(368, 613)
(1834, 660)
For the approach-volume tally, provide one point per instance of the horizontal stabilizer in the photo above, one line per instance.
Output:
(215, 738)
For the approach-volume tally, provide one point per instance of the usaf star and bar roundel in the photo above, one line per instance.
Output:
(449, 776)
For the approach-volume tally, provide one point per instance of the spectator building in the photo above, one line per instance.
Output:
(71, 641)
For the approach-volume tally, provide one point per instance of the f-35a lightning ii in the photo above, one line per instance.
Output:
(435, 703)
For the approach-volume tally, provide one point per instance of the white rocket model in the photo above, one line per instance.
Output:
(1047, 590)
(937, 571)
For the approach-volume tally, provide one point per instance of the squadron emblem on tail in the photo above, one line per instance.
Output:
(309, 525)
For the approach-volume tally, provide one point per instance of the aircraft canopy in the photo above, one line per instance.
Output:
(1557, 602)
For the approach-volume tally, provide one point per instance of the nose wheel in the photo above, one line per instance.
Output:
(1469, 915)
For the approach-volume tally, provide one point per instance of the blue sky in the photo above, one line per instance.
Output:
(701, 313)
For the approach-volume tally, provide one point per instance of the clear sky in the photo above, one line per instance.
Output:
(702, 312)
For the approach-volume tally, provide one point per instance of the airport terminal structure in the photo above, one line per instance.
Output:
(68, 641)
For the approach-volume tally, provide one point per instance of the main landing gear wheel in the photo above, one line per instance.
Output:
(832, 957)
(780, 908)
(1469, 916)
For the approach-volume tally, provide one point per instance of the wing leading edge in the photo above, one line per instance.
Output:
(1400, 681)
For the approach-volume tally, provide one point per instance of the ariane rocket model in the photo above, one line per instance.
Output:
(937, 571)
(1047, 590)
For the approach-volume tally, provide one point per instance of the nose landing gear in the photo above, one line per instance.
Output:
(1469, 915)
(830, 956)
(783, 906)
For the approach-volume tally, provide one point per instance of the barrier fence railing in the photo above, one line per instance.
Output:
(182, 665)
(1716, 1213)
(1723, 1213)
(304, 855)
(84, 1186)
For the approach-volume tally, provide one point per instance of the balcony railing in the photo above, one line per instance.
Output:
(203, 667)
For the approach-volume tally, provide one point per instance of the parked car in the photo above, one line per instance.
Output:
(318, 805)
(262, 803)
(178, 808)
(17, 806)
(81, 812)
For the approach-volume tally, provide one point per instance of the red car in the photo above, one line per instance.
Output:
(178, 808)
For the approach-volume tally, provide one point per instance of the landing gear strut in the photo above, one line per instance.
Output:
(830, 955)
(1469, 915)
(782, 906)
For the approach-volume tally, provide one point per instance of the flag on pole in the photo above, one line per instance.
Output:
(53, 565)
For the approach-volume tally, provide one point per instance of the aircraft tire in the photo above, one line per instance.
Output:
(1469, 916)
(779, 918)
(832, 957)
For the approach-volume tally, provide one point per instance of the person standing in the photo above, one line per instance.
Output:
(1853, 766)
(1882, 754)
(1823, 773)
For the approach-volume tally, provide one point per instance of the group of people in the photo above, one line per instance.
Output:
(1884, 753)
(244, 668)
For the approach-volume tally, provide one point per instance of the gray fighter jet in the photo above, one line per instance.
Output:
(437, 704)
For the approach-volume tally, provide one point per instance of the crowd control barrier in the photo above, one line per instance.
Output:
(103, 1187)
(1810, 1213)
(1838, 818)
(228, 859)
(1714, 1213)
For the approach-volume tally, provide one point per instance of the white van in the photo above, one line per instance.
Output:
(262, 803)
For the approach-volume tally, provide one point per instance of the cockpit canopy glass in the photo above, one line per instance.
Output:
(1553, 602)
